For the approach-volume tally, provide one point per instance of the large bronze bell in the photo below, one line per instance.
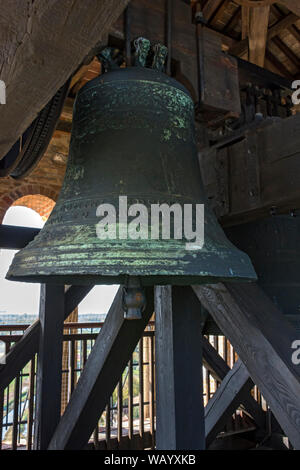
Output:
(133, 135)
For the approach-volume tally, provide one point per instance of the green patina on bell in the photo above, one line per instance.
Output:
(133, 135)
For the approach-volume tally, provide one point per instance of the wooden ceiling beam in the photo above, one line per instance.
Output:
(293, 58)
(42, 43)
(233, 21)
(292, 5)
(218, 15)
(258, 31)
(241, 48)
(245, 22)
(281, 69)
(210, 8)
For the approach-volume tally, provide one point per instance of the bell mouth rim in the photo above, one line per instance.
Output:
(155, 280)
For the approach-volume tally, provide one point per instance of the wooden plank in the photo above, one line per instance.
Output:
(15, 238)
(48, 381)
(225, 401)
(292, 5)
(210, 8)
(293, 58)
(23, 351)
(179, 390)
(36, 41)
(107, 360)
(219, 370)
(277, 158)
(262, 338)
(245, 21)
(278, 27)
(258, 30)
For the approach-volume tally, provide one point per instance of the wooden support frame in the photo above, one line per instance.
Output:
(23, 351)
(220, 371)
(262, 337)
(179, 389)
(107, 360)
(48, 401)
(226, 400)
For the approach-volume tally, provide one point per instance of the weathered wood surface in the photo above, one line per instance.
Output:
(23, 351)
(110, 355)
(49, 363)
(178, 359)
(219, 80)
(292, 5)
(262, 338)
(258, 31)
(227, 398)
(42, 43)
(271, 155)
(218, 368)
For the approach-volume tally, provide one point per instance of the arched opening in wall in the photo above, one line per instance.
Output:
(43, 205)
(19, 301)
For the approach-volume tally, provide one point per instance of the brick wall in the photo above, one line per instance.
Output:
(36, 197)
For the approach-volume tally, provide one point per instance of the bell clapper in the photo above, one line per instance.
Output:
(134, 299)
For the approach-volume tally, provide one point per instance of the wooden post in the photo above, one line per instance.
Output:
(179, 392)
(262, 337)
(48, 401)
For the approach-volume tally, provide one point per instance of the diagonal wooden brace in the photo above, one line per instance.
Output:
(236, 385)
(232, 397)
(263, 339)
(107, 360)
(24, 350)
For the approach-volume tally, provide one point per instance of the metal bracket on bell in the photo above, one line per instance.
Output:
(134, 299)
(110, 58)
(160, 55)
(142, 48)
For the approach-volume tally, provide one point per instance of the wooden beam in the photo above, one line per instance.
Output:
(277, 158)
(48, 377)
(42, 44)
(282, 24)
(293, 58)
(240, 48)
(292, 5)
(219, 370)
(15, 238)
(179, 396)
(210, 8)
(110, 355)
(263, 339)
(258, 30)
(23, 351)
(280, 68)
(235, 386)
(245, 22)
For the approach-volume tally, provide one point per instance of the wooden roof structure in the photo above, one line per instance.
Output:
(274, 26)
